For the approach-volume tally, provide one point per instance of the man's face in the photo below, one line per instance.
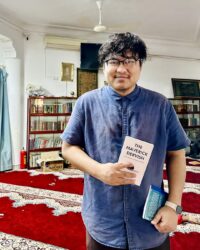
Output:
(122, 77)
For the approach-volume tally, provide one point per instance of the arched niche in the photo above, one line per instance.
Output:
(7, 49)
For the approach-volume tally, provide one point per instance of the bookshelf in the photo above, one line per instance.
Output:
(188, 112)
(47, 118)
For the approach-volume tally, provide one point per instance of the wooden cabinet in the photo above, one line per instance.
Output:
(188, 111)
(47, 119)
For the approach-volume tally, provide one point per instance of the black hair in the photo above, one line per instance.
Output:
(119, 43)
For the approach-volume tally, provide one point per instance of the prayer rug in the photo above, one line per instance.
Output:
(42, 210)
(41, 214)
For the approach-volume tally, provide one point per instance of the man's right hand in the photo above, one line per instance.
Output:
(115, 174)
(110, 173)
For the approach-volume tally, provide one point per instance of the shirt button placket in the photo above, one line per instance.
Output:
(124, 133)
(124, 119)
(126, 187)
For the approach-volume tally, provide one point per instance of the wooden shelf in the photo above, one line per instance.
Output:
(46, 132)
(44, 149)
(188, 111)
(184, 98)
(50, 114)
(46, 113)
(187, 127)
(53, 97)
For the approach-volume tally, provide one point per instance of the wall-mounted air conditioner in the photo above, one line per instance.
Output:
(58, 42)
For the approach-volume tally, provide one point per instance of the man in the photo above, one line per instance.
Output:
(112, 205)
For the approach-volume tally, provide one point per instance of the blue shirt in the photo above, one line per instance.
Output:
(99, 123)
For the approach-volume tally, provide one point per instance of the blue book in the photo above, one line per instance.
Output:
(156, 198)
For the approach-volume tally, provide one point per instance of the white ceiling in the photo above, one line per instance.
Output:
(168, 20)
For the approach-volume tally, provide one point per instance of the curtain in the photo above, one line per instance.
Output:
(5, 133)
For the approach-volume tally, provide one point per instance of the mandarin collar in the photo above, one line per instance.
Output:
(132, 96)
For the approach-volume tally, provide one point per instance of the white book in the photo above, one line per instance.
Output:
(137, 152)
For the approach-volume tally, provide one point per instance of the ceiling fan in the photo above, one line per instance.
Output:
(99, 27)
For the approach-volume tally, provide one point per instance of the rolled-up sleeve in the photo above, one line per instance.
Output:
(73, 133)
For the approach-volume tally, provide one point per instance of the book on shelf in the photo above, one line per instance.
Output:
(45, 142)
(33, 159)
(185, 107)
(57, 142)
(52, 108)
(38, 125)
(65, 108)
(156, 198)
(193, 121)
(183, 121)
(195, 108)
(190, 121)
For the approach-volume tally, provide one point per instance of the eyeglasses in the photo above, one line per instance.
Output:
(127, 62)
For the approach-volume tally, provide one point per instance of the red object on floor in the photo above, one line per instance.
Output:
(23, 162)
(180, 219)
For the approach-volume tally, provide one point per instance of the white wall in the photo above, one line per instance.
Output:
(157, 73)
(43, 67)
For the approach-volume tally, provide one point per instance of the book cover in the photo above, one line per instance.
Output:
(156, 198)
(138, 152)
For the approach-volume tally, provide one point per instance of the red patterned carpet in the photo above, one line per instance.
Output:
(187, 236)
(41, 207)
(42, 211)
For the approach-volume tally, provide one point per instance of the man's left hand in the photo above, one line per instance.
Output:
(166, 219)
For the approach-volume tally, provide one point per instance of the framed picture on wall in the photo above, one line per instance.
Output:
(67, 72)
(186, 87)
(86, 80)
